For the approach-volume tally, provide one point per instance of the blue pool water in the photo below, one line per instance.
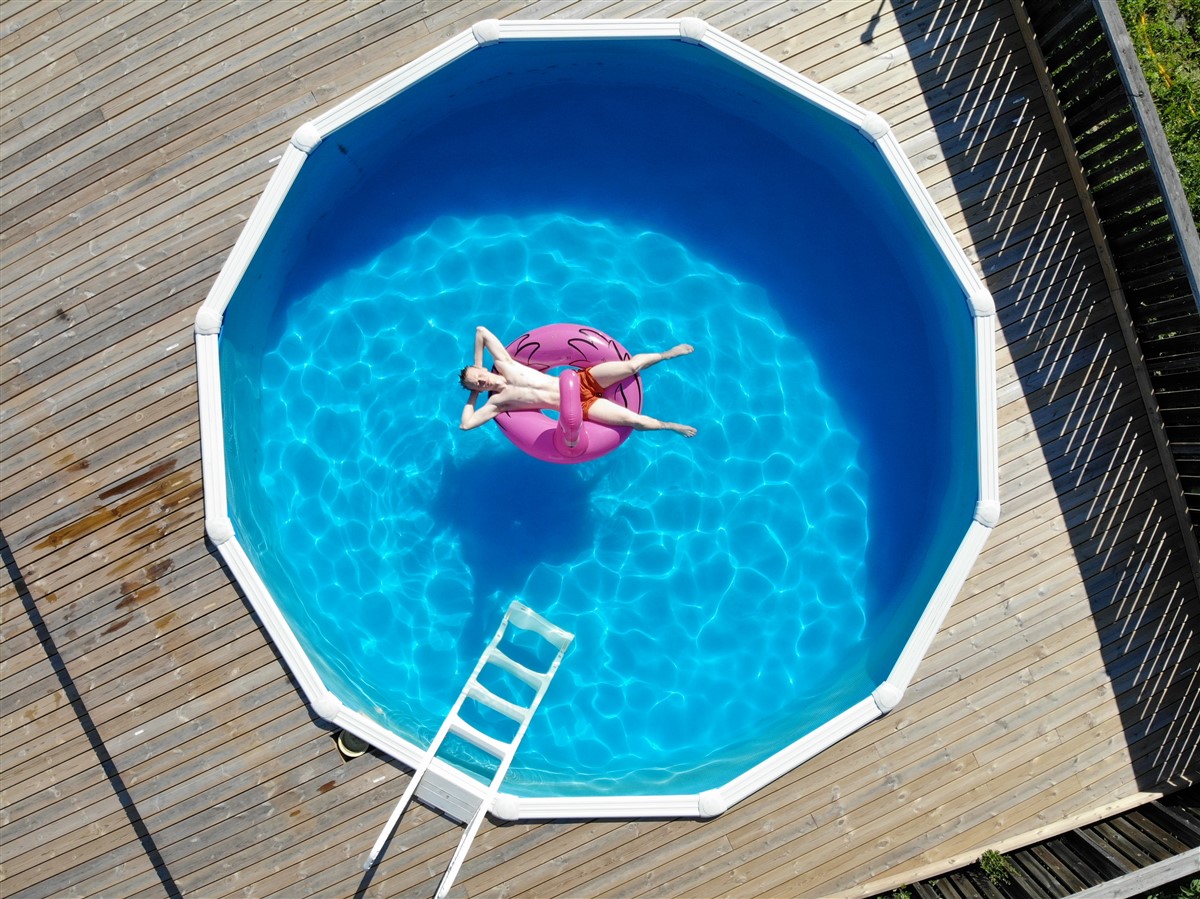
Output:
(685, 568)
(729, 593)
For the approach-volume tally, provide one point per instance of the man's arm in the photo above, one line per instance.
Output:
(472, 417)
(486, 339)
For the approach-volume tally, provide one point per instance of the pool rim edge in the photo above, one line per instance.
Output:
(447, 788)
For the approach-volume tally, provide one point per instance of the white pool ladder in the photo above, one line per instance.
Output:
(521, 616)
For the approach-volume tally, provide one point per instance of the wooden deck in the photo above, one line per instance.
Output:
(150, 741)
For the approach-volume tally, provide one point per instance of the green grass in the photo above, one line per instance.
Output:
(1166, 34)
(1184, 889)
(995, 866)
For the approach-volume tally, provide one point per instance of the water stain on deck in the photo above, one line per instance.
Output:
(68, 462)
(149, 476)
(141, 587)
(103, 515)
(117, 625)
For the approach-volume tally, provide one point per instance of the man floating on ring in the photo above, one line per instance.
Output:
(516, 387)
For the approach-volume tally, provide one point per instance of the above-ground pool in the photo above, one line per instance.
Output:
(740, 600)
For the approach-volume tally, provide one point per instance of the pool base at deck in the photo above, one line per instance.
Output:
(446, 787)
(457, 794)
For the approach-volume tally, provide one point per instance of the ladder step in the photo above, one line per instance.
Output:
(528, 620)
(531, 677)
(480, 693)
(478, 738)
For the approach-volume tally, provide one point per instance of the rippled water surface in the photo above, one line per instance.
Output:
(715, 585)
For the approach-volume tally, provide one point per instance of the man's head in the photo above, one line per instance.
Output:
(475, 378)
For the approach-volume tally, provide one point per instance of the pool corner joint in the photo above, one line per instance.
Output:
(692, 29)
(219, 530)
(982, 302)
(208, 320)
(887, 696)
(874, 126)
(486, 32)
(326, 706)
(987, 512)
(711, 803)
(307, 138)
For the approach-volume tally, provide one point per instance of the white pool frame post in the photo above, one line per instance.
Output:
(445, 786)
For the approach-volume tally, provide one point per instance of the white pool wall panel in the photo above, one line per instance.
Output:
(779, 764)
(208, 319)
(378, 93)
(446, 787)
(758, 62)
(217, 525)
(987, 511)
(583, 29)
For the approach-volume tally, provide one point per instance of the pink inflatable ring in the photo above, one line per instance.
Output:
(569, 440)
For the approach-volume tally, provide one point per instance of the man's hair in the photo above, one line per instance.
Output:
(462, 377)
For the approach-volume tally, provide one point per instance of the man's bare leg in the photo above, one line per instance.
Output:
(606, 412)
(609, 373)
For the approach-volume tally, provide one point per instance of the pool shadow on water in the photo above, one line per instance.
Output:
(511, 512)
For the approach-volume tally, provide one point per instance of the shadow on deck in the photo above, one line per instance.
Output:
(86, 724)
(1068, 357)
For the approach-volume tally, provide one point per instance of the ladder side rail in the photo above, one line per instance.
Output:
(464, 844)
(460, 851)
(410, 791)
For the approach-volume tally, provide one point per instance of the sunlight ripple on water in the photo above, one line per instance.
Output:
(686, 568)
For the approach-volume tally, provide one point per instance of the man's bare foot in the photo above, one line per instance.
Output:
(682, 350)
(685, 430)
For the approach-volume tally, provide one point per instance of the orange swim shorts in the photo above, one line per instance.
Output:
(589, 390)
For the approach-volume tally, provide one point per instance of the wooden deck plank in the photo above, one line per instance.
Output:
(202, 791)
(141, 141)
(156, 443)
(125, 119)
(23, 21)
(168, 635)
(73, 765)
(112, 449)
(1061, 676)
(70, 520)
(134, 394)
(188, 742)
(137, 608)
(144, 694)
(49, 53)
(28, 851)
(108, 56)
(1020, 749)
(76, 618)
(160, 160)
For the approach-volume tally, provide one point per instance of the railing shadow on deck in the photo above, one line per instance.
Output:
(1025, 219)
(111, 771)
